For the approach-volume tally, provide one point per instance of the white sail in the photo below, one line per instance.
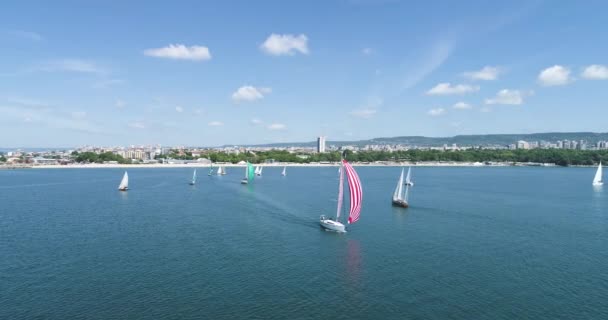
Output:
(219, 170)
(124, 183)
(284, 173)
(340, 195)
(246, 173)
(408, 178)
(224, 170)
(598, 179)
(261, 170)
(194, 177)
(406, 196)
(399, 188)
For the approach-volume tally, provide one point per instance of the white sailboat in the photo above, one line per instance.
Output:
(284, 173)
(124, 183)
(193, 181)
(400, 198)
(210, 170)
(220, 171)
(356, 198)
(408, 178)
(598, 180)
(260, 170)
(224, 171)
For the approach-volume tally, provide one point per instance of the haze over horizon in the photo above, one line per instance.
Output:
(216, 73)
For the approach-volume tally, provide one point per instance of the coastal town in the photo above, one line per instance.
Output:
(182, 155)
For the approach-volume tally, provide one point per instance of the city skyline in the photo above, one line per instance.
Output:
(215, 74)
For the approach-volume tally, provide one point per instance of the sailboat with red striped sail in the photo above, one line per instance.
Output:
(356, 199)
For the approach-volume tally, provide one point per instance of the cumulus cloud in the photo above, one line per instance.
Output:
(215, 124)
(364, 113)
(250, 93)
(285, 44)
(179, 109)
(554, 76)
(446, 88)
(462, 106)
(436, 112)
(508, 97)
(180, 52)
(276, 126)
(486, 73)
(595, 72)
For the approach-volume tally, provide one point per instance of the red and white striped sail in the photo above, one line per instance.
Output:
(356, 192)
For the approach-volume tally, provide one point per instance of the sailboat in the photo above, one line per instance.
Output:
(220, 170)
(210, 170)
(249, 174)
(356, 198)
(223, 171)
(124, 183)
(284, 173)
(400, 198)
(408, 178)
(193, 182)
(259, 173)
(598, 180)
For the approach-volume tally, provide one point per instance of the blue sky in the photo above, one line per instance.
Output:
(204, 73)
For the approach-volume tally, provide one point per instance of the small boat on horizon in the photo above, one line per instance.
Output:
(284, 173)
(258, 170)
(598, 180)
(124, 183)
(401, 194)
(356, 198)
(210, 170)
(193, 181)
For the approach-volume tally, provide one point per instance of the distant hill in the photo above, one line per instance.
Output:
(462, 140)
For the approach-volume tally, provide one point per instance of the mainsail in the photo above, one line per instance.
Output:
(340, 195)
(284, 173)
(408, 178)
(124, 183)
(399, 188)
(250, 173)
(597, 180)
(356, 192)
(194, 177)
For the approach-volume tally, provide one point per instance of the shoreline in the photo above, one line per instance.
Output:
(195, 165)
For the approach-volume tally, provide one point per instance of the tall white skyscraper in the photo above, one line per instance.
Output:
(321, 144)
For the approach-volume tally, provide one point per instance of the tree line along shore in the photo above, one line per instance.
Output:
(560, 157)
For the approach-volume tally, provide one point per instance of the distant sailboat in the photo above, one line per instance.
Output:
(249, 174)
(400, 198)
(356, 198)
(210, 170)
(193, 182)
(408, 178)
(260, 170)
(598, 180)
(224, 171)
(124, 183)
(284, 173)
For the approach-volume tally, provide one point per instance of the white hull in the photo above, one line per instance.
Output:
(332, 225)
(597, 184)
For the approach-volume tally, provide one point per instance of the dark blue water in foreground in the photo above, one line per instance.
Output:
(477, 243)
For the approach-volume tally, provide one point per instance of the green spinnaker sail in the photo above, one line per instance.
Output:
(250, 171)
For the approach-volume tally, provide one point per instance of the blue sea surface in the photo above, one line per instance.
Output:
(476, 243)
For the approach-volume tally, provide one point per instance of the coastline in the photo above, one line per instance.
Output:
(196, 165)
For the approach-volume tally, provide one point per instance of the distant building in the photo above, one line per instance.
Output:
(521, 144)
(321, 144)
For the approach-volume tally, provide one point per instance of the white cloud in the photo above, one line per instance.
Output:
(285, 44)
(554, 76)
(462, 106)
(367, 51)
(276, 126)
(180, 52)
(364, 113)
(250, 93)
(436, 112)
(446, 88)
(137, 125)
(506, 96)
(73, 65)
(256, 122)
(120, 104)
(595, 72)
(215, 124)
(486, 73)
(79, 114)
(179, 109)
(198, 111)
(29, 35)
